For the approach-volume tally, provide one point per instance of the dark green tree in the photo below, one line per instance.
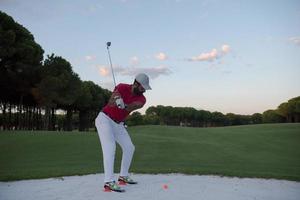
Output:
(20, 60)
(256, 118)
(218, 119)
(83, 104)
(91, 100)
(59, 88)
(135, 119)
(203, 117)
(272, 116)
(290, 110)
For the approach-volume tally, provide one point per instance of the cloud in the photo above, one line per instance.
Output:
(295, 40)
(161, 56)
(90, 58)
(103, 70)
(134, 60)
(225, 48)
(212, 55)
(209, 56)
(152, 72)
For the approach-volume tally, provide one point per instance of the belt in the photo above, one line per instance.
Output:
(118, 122)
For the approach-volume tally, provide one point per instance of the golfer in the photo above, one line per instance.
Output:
(110, 127)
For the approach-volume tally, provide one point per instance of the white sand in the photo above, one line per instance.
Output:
(180, 187)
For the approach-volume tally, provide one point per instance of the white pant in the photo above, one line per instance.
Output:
(109, 133)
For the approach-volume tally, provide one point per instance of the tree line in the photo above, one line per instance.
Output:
(186, 116)
(33, 89)
(46, 94)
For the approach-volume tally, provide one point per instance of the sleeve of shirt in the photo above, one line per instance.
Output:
(121, 89)
(143, 100)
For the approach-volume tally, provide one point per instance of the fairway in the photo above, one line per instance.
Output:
(267, 151)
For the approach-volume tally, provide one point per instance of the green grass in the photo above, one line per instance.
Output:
(267, 151)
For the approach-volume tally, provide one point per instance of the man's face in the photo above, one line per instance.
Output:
(138, 89)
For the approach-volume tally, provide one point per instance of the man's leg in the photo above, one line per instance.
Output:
(123, 138)
(108, 144)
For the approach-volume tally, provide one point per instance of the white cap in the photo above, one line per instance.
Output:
(143, 79)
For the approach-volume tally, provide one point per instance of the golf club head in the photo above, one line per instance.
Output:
(108, 44)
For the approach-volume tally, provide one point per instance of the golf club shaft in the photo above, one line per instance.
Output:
(112, 70)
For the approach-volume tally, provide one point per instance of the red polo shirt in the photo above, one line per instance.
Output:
(128, 97)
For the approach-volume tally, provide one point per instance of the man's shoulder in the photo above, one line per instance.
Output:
(123, 87)
(142, 98)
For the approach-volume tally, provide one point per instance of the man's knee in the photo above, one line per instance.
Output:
(130, 148)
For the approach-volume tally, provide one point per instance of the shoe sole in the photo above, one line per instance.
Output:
(125, 183)
(110, 190)
(107, 189)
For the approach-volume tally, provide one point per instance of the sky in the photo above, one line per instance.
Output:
(233, 56)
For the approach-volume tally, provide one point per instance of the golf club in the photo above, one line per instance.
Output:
(112, 70)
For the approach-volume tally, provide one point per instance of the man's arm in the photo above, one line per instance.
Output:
(112, 100)
(134, 106)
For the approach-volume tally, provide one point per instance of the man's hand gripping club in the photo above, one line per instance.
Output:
(119, 102)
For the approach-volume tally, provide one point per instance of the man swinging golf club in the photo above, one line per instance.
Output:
(110, 127)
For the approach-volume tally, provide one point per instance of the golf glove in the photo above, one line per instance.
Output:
(120, 103)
